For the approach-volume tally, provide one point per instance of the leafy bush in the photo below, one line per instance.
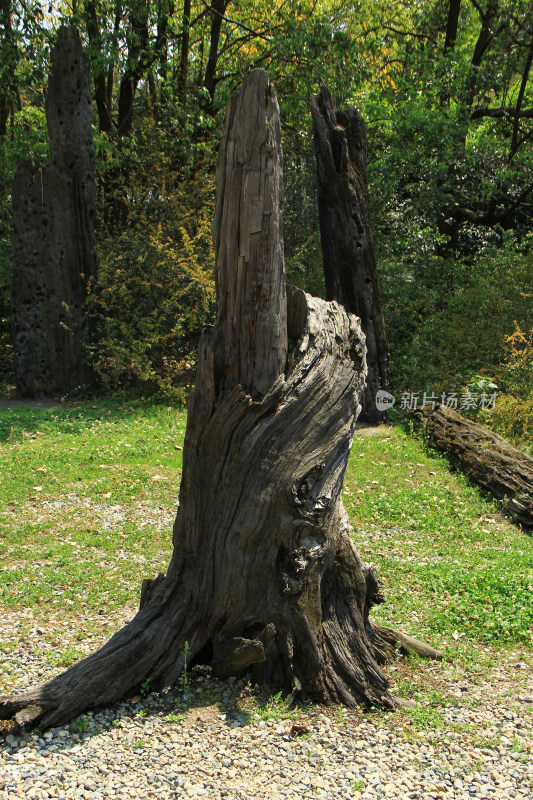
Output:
(449, 320)
(154, 295)
(516, 375)
(512, 416)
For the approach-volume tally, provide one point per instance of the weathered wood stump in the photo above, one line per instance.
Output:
(53, 236)
(486, 458)
(346, 235)
(264, 575)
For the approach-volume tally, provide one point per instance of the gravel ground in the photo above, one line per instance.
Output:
(478, 743)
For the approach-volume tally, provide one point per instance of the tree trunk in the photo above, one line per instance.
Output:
(105, 121)
(519, 100)
(8, 65)
(218, 9)
(53, 236)
(486, 458)
(264, 574)
(452, 23)
(184, 53)
(346, 235)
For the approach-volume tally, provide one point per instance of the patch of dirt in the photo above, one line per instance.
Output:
(372, 430)
(45, 404)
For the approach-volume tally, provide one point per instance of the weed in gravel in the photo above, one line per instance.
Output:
(423, 718)
(273, 707)
(68, 656)
(176, 718)
(80, 724)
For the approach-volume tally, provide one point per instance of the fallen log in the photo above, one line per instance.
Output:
(484, 457)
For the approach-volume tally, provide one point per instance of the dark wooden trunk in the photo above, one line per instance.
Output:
(346, 235)
(264, 575)
(53, 237)
(486, 458)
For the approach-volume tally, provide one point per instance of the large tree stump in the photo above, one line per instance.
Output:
(264, 575)
(485, 457)
(346, 235)
(53, 236)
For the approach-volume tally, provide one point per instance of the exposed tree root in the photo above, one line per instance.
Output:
(408, 644)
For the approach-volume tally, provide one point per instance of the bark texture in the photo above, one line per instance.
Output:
(346, 234)
(251, 324)
(264, 575)
(53, 236)
(486, 458)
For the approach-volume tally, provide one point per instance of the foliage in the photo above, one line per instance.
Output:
(450, 166)
(154, 295)
(516, 375)
(512, 416)
(275, 707)
(441, 336)
(80, 724)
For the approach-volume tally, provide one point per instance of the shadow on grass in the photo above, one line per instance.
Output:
(18, 420)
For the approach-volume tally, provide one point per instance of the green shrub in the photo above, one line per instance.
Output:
(154, 295)
(512, 416)
(440, 337)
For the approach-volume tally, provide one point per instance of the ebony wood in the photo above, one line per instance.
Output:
(485, 457)
(53, 236)
(346, 234)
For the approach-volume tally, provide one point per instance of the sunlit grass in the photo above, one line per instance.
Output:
(87, 500)
(452, 565)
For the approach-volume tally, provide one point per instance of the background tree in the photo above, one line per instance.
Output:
(346, 235)
(54, 254)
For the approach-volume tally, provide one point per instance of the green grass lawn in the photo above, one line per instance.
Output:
(88, 495)
(452, 565)
(87, 500)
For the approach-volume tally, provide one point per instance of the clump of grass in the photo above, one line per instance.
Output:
(176, 718)
(80, 724)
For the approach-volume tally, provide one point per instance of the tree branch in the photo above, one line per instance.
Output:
(514, 139)
(415, 35)
(498, 113)
(224, 18)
